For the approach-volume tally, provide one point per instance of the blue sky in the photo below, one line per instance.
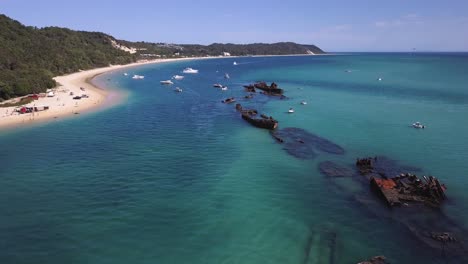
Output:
(371, 25)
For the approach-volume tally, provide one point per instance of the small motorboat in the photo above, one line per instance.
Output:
(234, 63)
(224, 88)
(125, 74)
(178, 90)
(303, 103)
(226, 76)
(178, 77)
(138, 77)
(217, 85)
(379, 79)
(291, 110)
(418, 125)
(167, 82)
(229, 100)
(189, 70)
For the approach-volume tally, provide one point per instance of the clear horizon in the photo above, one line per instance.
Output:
(334, 26)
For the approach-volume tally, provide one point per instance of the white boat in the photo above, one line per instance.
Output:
(418, 125)
(303, 103)
(178, 77)
(217, 85)
(138, 77)
(125, 74)
(379, 79)
(290, 111)
(178, 90)
(167, 82)
(234, 63)
(226, 76)
(189, 70)
(224, 88)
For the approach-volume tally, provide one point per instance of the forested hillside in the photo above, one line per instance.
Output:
(30, 57)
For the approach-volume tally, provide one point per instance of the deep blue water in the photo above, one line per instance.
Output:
(169, 177)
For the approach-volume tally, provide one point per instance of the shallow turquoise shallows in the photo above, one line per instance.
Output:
(168, 177)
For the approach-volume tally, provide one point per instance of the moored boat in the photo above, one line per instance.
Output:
(178, 77)
(167, 82)
(189, 70)
(418, 125)
(138, 77)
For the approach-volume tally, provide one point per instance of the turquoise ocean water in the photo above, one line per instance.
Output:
(169, 177)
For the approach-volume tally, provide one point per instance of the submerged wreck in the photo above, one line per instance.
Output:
(402, 188)
(249, 115)
(409, 188)
(375, 260)
(267, 89)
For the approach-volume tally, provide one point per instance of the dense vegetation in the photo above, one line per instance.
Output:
(217, 49)
(30, 56)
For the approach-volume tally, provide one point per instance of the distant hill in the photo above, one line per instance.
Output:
(30, 56)
(216, 49)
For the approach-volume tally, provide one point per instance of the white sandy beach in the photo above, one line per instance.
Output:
(62, 104)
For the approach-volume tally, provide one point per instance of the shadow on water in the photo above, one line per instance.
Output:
(302, 144)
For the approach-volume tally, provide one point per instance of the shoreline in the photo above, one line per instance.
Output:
(62, 105)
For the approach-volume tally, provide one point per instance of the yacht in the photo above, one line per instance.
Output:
(167, 82)
(418, 125)
(189, 70)
(138, 77)
(178, 77)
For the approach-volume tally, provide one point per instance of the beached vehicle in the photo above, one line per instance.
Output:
(177, 90)
(229, 100)
(189, 70)
(138, 77)
(178, 77)
(418, 125)
(167, 82)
